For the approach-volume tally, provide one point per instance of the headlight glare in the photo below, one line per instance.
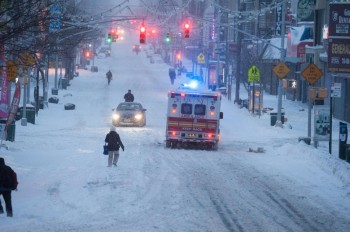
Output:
(138, 116)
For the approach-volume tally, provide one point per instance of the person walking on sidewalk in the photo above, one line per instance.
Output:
(114, 143)
(8, 182)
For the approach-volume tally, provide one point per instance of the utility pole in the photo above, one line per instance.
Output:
(238, 66)
(218, 48)
(283, 55)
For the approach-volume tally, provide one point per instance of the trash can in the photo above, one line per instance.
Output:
(348, 153)
(30, 113)
(41, 102)
(54, 91)
(63, 83)
(273, 118)
(11, 130)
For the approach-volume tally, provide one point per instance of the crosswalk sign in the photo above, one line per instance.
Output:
(201, 58)
(253, 74)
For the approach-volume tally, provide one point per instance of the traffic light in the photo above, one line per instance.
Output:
(142, 34)
(187, 30)
(109, 38)
(167, 38)
(178, 56)
(87, 54)
(114, 35)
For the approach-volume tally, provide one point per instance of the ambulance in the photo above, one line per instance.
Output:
(193, 119)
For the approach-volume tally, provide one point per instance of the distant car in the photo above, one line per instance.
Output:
(136, 48)
(129, 114)
(105, 50)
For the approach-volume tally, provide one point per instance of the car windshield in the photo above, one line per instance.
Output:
(129, 106)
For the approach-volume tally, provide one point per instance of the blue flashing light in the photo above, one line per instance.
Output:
(192, 85)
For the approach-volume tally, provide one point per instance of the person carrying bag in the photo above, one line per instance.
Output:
(113, 143)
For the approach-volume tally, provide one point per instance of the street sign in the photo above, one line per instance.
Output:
(26, 59)
(336, 90)
(55, 14)
(11, 70)
(312, 73)
(201, 58)
(253, 74)
(281, 70)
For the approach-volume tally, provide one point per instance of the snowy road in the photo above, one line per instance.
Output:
(65, 184)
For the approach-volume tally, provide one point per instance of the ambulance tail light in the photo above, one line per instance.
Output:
(172, 133)
(183, 95)
(174, 108)
(212, 111)
(215, 97)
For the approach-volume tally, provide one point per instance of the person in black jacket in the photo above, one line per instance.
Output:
(129, 97)
(6, 185)
(109, 76)
(114, 143)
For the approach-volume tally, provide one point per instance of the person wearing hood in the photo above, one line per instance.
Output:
(6, 186)
(114, 143)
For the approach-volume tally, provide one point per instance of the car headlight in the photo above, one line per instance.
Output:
(116, 116)
(138, 116)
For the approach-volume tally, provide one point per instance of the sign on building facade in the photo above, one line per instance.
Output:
(339, 38)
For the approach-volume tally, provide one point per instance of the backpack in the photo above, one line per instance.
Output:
(14, 181)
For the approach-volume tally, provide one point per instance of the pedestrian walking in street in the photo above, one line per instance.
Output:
(109, 76)
(8, 182)
(129, 97)
(114, 143)
(172, 75)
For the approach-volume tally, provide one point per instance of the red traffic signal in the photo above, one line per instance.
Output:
(178, 56)
(187, 30)
(87, 54)
(142, 34)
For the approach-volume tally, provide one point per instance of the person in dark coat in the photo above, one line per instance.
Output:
(109, 76)
(6, 185)
(172, 75)
(129, 97)
(114, 143)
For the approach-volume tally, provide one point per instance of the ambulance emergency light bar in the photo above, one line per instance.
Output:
(192, 94)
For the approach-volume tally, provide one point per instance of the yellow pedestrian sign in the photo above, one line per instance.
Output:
(201, 58)
(253, 74)
(281, 70)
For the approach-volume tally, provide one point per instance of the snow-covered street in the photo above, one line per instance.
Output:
(65, 184)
